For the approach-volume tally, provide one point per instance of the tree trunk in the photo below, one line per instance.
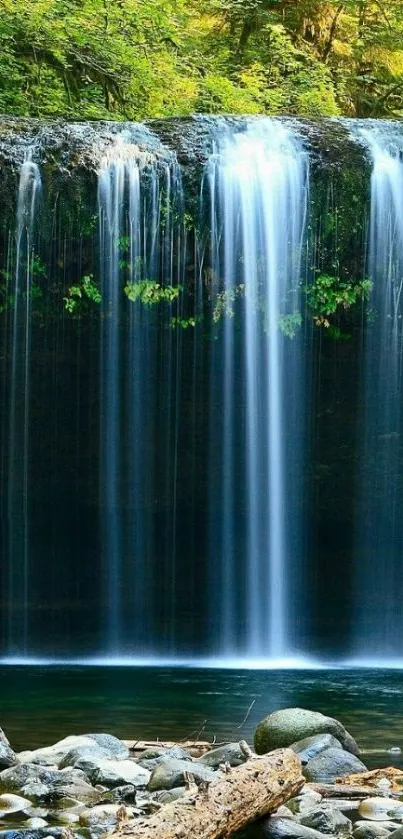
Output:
(250, 791)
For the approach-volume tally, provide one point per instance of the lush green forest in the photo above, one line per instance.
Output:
(132, 59)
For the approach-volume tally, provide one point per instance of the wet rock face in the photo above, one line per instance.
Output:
(189, 139)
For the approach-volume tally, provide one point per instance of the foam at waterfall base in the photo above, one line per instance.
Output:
(217, 663)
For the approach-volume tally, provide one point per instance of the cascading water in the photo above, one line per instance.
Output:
(20, 431)
(141, 245)
(155, 487)
(258, 182)
(379, 570)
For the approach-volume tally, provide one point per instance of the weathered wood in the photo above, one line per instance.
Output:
(340, 790)
(252, 790)
(195, 747)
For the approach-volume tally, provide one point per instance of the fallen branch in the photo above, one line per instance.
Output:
(246, 793)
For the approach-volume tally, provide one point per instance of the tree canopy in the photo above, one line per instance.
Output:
(133, 59)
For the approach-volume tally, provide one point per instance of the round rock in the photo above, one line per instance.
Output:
(285, 727)
(332, 764)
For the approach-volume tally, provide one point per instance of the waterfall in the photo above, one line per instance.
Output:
(379, 571)
(20, 431)
(141, 247)
(258, 182)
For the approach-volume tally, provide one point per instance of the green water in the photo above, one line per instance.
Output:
(39, 705)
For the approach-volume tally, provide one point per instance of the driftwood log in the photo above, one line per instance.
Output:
(245, 793)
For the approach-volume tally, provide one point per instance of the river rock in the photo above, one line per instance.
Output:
(279, 828)
(332, 764)
(305, 801)
(84, 793)
(11, 804)
(381, 809)
(7, 755)
(17, 776)
(114, 773)
(153, 757)
(172, 774)
(373, 830)
(230, 753)
(397, 834)
(36, 791)
(327, 820)
(170, 795)
(309, 747)
(102, 744)
(282, 728)
(124, 794)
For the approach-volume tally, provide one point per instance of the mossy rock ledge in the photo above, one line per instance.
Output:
(287, 726)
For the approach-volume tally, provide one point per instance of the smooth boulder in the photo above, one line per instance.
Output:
(114, 773)
(309, 747)
(280, 828)
(332, 764)
(230, 753)
(101, 744)
(327, 820)
(285, 727)
(173, 774)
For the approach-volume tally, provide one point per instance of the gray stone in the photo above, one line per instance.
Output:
(150, 759)
(170, 795)
(282, 728)
(7, 755)
(307, 800)
(279, 828)
(73, 757)
(103, 744)
(373, 830)
(36, 791)
(172, 774)
(230, 753)
(309, 747)
(327, 820)
(124, 794)
(332, 764)
(114, 773)
(397, 834)
(17, 776)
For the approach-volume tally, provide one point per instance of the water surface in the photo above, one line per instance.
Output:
(40, 704)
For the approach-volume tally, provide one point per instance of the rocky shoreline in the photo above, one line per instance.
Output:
(93, 784)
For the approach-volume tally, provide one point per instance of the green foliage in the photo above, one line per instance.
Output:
(224, 304)
(289, 324)
(132, 59)
(150, 292)
(185, 323)
(80, 295)
(329, 295)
